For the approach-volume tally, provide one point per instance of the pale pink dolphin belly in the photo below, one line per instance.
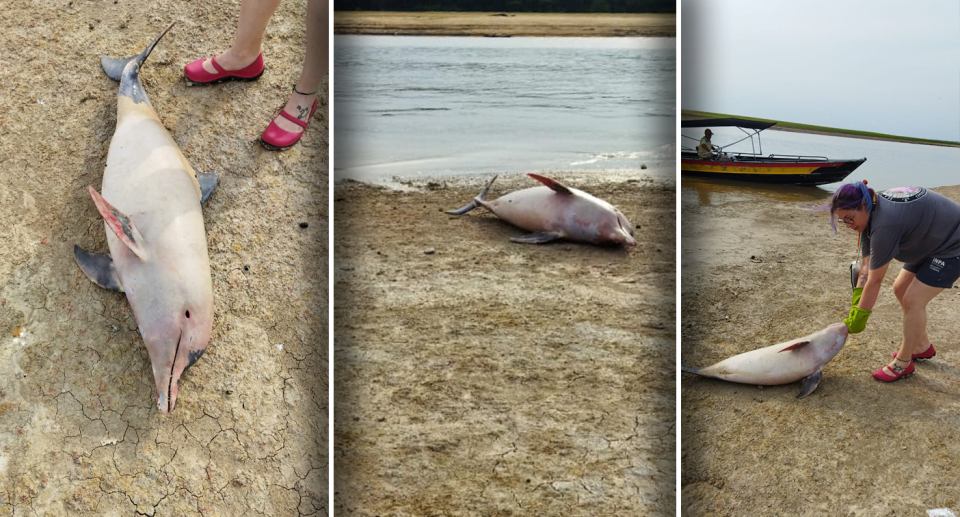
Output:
(554, 211)
(782, 363)
(150, 203)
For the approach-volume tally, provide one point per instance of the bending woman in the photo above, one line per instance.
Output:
(917, 227)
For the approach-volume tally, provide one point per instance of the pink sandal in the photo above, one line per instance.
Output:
(928, 354)
(196, 74)
(277, 139)
(881, 375)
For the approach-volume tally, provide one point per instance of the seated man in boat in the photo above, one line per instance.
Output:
(706, 148)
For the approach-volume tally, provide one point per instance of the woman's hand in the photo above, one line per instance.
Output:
(857, 320)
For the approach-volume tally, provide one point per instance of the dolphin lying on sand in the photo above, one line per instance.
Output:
(150, 204)
(782, 363)
(554, 212)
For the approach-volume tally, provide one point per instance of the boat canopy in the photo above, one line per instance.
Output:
(727, 122)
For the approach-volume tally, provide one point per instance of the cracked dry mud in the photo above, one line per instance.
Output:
(477, 376)
(855, 446)
(80, 433)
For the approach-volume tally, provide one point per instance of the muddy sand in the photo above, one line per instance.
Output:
(759, 269)
(80, 433)
(477, 376)
(503, 24)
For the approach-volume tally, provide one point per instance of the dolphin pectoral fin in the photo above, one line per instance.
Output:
(795, 346)
(537, 238)
(120, 223)
(810, 383)
(554, 185)
(99, 268)
(208, 181)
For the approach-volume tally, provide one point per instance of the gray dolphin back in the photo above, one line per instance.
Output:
(127, 71)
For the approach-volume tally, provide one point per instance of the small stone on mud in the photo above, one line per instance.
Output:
(246, 268)
(430, 251)
(304, 225)
(755, 259)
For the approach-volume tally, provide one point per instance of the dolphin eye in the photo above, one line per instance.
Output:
(188, 314)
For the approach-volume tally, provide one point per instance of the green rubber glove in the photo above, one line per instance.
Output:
(857, 293)
(857, 320)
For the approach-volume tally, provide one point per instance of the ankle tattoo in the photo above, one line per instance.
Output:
(302, 112)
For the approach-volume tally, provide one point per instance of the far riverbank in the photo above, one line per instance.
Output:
(503, 25)
(822, 130)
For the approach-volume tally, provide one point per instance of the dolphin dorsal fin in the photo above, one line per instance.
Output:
(795, 346)
(554, 185)
(120, 223)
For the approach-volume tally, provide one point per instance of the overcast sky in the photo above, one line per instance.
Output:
(880, 65)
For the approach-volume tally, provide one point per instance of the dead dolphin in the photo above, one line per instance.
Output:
(150, 204)
(556, 212)
(782, 363)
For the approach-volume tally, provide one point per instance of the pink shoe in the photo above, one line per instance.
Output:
(928, 354)
(196, 74)
(881, 375)
(276, 139)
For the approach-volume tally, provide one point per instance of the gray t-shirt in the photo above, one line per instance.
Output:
(912, 224)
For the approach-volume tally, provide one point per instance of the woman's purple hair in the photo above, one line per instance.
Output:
(849, 197)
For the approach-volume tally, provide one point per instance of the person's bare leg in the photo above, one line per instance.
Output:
(254, 16)
(915, 301)
(900, 285)
(316, 62)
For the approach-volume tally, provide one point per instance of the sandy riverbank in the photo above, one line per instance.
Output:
(80, 433)
(503, 24)
(758, 269)
(476, 376)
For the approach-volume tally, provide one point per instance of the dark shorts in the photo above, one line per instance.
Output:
(936, 272)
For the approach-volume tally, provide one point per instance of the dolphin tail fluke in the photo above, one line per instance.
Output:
(127, 70)
(113, 67)
(687, 369)
(475, 202)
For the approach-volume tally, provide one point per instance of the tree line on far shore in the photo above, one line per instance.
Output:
(528, 6)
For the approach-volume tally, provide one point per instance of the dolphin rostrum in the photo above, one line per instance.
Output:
(554, 211)
(150, 203)
(782, 363)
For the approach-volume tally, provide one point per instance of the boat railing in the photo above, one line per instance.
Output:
(799, 158)
(781, 157)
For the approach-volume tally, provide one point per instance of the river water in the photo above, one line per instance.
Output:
(408, 106)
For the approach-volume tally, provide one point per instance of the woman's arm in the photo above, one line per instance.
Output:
(871, 288)
(864, 271)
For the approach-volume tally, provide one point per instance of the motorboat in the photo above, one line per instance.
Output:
(754, 166)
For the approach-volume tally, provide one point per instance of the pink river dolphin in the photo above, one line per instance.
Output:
(554, 211)
(782, 363)
(150, 202)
